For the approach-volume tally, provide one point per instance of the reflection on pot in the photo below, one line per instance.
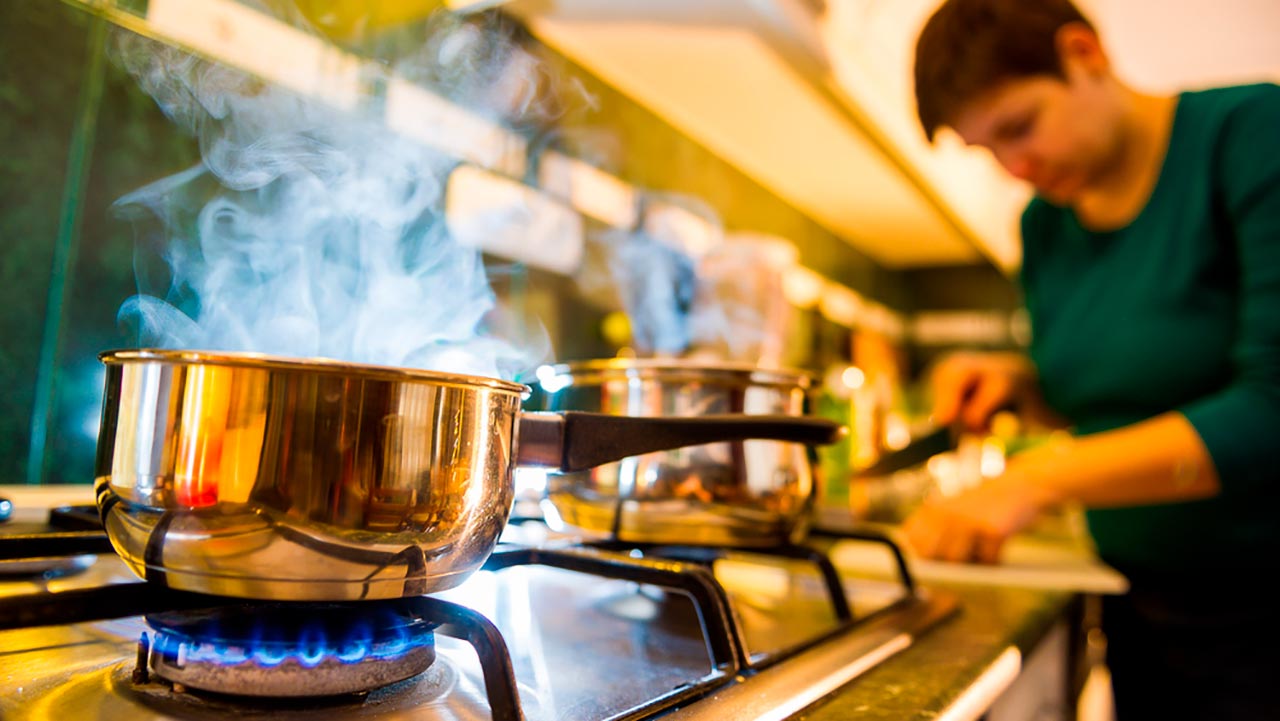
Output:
(744, 493)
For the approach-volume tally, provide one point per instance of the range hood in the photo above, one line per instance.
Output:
(751, 81)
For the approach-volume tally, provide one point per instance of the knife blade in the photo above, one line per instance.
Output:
(919, 450)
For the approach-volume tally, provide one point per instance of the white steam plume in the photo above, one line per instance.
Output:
(306, 231)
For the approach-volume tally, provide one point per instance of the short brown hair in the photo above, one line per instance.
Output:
(969, 46)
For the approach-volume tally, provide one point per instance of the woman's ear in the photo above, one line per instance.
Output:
(1079, 47)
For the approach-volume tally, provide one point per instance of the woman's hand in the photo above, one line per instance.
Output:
(1159, 460)
(969, 388)
(974, 525)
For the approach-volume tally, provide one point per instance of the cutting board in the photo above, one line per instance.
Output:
(1060, 564)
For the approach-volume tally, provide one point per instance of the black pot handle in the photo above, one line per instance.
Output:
(578, 440)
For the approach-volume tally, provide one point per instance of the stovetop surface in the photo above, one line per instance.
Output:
(582, 647)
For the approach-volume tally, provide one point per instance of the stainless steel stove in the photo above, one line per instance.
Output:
(553, 628)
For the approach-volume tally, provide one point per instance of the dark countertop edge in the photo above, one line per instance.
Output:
(942, 664)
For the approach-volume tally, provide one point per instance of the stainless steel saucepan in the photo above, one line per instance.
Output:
(274, 478)
(732, 492)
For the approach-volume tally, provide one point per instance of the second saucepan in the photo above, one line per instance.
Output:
(731, 492)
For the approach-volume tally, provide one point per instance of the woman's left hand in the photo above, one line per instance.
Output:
(973, 525)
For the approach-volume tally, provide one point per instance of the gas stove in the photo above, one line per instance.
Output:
(552, 627)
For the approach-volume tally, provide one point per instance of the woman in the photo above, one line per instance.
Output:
(1151, 274)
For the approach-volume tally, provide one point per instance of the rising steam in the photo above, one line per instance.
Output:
(307, 230)
(689, 288)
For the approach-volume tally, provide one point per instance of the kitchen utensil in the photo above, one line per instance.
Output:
(917, 451)
(745, 493)
(275, 478)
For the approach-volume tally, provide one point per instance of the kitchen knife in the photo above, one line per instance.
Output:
(919, 450)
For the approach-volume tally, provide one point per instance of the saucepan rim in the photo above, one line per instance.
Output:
(675, 369)
(271, 361)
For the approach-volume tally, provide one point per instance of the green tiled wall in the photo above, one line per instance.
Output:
(77, 134)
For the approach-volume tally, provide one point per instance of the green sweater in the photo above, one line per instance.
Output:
(1179, 310)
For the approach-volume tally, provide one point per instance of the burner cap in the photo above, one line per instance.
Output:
(293, 649)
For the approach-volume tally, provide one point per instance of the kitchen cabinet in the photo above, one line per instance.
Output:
(1040, 692)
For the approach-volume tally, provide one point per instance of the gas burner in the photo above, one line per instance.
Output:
(649, 632)
(290, 649)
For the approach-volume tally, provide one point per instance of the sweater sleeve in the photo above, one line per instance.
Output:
(1240, 425)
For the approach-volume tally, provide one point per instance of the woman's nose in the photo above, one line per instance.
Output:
(1020, 165)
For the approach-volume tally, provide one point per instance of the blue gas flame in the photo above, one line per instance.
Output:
(309, 644)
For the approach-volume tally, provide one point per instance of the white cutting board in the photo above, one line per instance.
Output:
(1026, 561)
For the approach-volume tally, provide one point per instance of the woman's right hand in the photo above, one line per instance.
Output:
(970, 387)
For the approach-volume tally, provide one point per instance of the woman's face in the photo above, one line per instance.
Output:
(1062, 136)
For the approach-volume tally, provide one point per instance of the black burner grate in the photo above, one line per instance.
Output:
(683, 569)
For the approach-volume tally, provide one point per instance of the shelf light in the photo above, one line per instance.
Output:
(841, 305)
(592, 191)
(418, 113)
(802, 287)
(261, 45)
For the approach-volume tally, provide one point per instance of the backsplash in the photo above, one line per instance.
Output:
(79, 134)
